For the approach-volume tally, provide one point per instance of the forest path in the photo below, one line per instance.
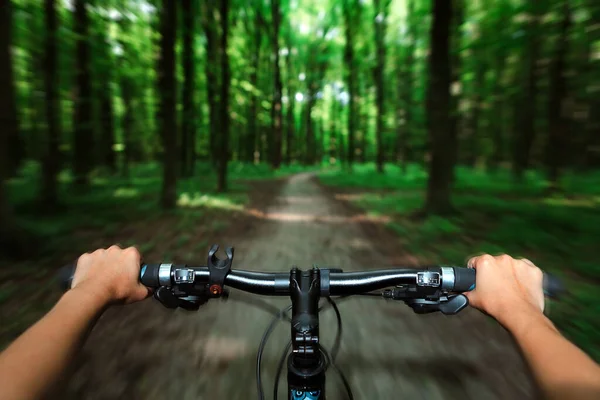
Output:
(147, 352)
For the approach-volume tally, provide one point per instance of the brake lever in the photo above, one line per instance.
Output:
(190, 303)
(452, 306)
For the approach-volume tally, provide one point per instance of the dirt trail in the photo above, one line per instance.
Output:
(147, 352)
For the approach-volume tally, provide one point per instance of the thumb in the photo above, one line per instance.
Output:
(472, 297)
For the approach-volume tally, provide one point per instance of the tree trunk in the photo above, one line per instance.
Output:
(334, 134)
(166, 113)
(438, 107)
(8, 121)
(127, 86)
(224, 98)
(82, 107)
(380, 25)
(51, 155)
(472, 149)
(127, 123)
(276, 111)
(350, 7)
(525, 134)
(212, 79)
(363, 119)
(457, 22)
(310, 133)
(290, 118)
(498, 102)
(404, 113)
(558, 123)
(591, 153)
(188, 126)
(104, 93)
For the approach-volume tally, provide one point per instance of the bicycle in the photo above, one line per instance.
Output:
(427, 290)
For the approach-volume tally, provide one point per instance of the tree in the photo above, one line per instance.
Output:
(8, 120)
(188, 128)
(472, 141)
(380, 27)
(558, 101)
(528, 104)
(51, 155)
(438, 107)
(455, 60)
(291, 93)
(405, 90)
(126, 81)
(224, 98)
(167, 94)
(105, 72)
(212, 79)
(276, 111)
(351, 8)
(83, 123)
(256, 35)
(498, 59)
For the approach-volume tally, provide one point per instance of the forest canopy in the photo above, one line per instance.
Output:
(93, 86)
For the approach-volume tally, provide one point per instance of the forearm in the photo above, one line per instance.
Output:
(34, 362)
(561, 369)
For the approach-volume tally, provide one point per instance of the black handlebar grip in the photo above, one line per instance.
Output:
(553, 286)
(149, 275)
(464, 279)
(65, 276)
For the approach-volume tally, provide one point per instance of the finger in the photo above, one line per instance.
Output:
(527, 261)
(472, 261)
(471, 296)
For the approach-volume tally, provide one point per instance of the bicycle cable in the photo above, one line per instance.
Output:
(280, 368)
(263, 342)
(340, 373)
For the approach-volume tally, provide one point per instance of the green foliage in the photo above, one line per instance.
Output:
(494, 215)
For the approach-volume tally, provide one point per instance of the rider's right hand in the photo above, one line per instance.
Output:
(506, 287)
(112, 275)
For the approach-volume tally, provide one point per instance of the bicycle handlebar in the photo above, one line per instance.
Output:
(339, 283)
(334, 283)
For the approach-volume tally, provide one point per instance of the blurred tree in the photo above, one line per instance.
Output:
(105, 71)
(276, 106)
(380, 23)
(405, 89)
(558, 103)
(209, 25)
(291, 95)
(127, 86)
(351, 10)
(526, 111)
(223, 148)
(188, 126)
(456, 50)
(167, 93)
(51, 154)
(82, 113)
(8, 121)
(438, 104)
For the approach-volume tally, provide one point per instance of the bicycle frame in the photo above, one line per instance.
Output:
(425, 290)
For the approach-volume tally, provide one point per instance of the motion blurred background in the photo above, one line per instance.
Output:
(461, 126)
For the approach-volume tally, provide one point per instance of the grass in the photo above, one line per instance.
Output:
(559, 232)
(112, 200)
(115, 209)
